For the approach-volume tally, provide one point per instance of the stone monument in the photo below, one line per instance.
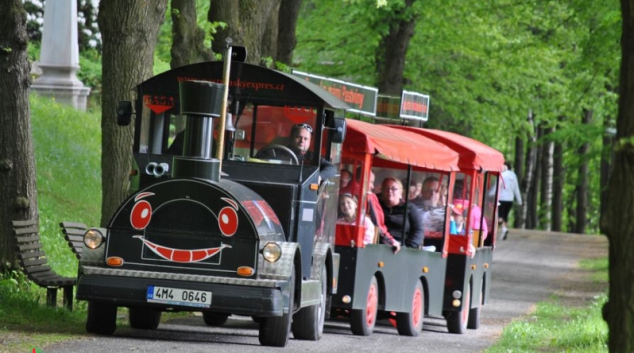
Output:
(59, 56)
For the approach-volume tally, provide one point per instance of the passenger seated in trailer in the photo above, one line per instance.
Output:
(456, 225)
(394, 210)
(377, 215)
(475, 215)
(345, 182)
(300, 138)
(348, 206)
(430, 193)
(414, 194)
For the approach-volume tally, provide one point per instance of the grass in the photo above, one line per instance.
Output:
(67, 147)
(558, 327)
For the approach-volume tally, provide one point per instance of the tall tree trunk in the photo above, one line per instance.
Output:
(558, 187)
(546, 191)
(582, 181)
(520, 215)
(188, 40)
(246, 23)
(269, 38)
(390, 56)
(607, 155)
(18, 193)
(617, 223)
(286, 39)
(129, 30)
(532, 218)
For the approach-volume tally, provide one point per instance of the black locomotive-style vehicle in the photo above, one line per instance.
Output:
(249, 233)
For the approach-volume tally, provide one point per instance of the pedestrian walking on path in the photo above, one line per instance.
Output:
(509, 193)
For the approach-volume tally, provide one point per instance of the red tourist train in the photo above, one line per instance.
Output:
(255, 230)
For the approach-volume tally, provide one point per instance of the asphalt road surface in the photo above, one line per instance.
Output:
(528, 268)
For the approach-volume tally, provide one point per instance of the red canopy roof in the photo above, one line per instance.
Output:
(473, 153)
(398, 146)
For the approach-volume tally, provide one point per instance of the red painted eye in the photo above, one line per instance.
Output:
(141, 215)
(228, 221)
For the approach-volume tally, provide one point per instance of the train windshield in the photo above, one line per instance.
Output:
(261, 134)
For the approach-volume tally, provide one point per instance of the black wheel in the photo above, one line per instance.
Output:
(215, 319)
(102, 318)
(274, 331)
(362, 321)
(275, 151)
(474, 314)
(308, 323)
(457, 320)
(144, 318)
(411, 323)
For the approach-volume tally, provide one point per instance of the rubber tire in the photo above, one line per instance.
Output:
(362, 321)
(275, 331)
(144, 318)
(214, 319)
(457, 321)
(308, 323)
(102, 318)
(411, 323)
(474, 314)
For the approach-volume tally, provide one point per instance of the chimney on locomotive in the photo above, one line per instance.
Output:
(200, 102)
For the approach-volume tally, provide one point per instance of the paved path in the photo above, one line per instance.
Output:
(528, 268)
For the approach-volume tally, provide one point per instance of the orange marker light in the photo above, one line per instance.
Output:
(473, 267)
(381, 264)
(245, 271)
(314, 187)
(114, 261)
(425, 269)
(486, 265)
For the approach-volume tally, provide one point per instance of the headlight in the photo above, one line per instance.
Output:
(93, 238)
(271, 252)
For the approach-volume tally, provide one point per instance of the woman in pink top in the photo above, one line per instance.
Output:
(348, 206)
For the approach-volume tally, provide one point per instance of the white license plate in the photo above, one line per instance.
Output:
(176, 296)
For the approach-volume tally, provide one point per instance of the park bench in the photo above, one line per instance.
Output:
(74, 235)
(34, 263)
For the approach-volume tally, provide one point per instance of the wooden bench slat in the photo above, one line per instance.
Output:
(75, 232)
(72, 225)
(32, 254)
(27, 230)
(32, 246)
(36, 269)
(24, 223)
(34, 262)
(75, 238)
(28, 239)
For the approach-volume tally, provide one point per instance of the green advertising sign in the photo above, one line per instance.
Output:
(362, 99)
(414, 106)
(410, 105)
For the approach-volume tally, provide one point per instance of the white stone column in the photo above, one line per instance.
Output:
(59, 56)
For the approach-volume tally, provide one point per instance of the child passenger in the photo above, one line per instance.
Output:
(348, 206)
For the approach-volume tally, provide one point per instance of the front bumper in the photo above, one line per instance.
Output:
(249, 297)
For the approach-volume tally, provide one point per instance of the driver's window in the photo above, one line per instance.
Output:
(275, 134)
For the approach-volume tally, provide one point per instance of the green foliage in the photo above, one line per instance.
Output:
(67, 147)
(486, 65)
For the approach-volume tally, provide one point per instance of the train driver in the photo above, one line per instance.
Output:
(300, 143)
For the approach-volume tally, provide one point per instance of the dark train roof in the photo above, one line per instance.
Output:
(247, 82)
